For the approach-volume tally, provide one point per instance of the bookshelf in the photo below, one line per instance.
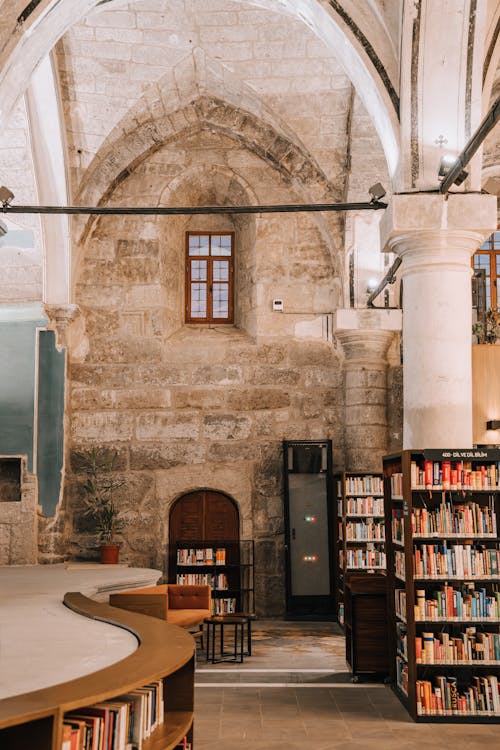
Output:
(165, 653)
(226, 566)
(443, 563)
(360, 523)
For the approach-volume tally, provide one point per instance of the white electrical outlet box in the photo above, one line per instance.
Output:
(278, 305)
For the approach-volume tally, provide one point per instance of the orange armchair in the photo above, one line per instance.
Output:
(182, 605)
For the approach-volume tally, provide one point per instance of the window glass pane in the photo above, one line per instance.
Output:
(497, 258)
(488, 292)
(198, 244)
(220, 301)
(496, 240)
(481, 260)
(198, 300)
(198, 270)
(486, 244)
(221, 270)
(221, 244)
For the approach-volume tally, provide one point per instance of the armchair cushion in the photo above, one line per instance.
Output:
(182, 605)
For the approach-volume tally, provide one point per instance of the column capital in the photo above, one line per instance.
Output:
(438, 228)
(61, 317)
(365, 347)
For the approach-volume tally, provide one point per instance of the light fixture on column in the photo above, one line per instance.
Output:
(6, 196)
(377, 192)
(493, 424)
(447, 162)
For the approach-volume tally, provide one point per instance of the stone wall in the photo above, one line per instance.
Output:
(18, 522)
(192, 406)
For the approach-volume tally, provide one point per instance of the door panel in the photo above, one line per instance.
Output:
(203, 516)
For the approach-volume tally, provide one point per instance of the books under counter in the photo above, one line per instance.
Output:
(119, 724)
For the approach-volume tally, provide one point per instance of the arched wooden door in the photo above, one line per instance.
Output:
(203, 516)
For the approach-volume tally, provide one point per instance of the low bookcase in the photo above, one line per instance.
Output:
(443, 563)
(360, 521)
(34, 721)
(225, 566)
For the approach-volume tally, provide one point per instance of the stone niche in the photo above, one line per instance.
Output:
(10, 480)
(18, 512)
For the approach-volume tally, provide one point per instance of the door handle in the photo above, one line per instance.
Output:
(293, 533)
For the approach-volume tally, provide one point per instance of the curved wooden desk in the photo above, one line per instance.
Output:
(34, 720)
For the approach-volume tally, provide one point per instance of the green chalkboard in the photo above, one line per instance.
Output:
(17, 379)
(50, 443)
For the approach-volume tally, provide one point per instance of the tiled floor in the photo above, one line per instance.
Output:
(305, 699)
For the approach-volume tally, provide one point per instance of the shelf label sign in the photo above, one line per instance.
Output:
(465, 454)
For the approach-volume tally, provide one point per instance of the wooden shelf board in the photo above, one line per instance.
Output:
(442, 664)
(465, 579)
(168, 735)
(366, 541)
(437, 536)
(441, 620)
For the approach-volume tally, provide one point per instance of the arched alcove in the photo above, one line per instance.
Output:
(202, 517)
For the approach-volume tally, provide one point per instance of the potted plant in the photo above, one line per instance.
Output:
(99, 465)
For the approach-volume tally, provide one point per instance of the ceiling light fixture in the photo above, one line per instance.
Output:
(447, 162)
(377, 192)
(6, 196)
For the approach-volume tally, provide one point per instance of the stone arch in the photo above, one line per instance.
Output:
(339, 25)
(118, 160)
(213, 185)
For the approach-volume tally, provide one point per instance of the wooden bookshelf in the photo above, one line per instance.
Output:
(360, 518)
(443, 563)
(365, 626)
(228, 567)
(165, 652)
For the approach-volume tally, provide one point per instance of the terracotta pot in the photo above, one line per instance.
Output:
(110, 554)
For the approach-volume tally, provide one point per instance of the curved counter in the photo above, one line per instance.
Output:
(36, 629)
(165, 652)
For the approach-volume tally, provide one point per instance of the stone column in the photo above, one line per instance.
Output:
(365, 396)
(435, 236)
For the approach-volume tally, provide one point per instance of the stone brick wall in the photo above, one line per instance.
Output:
(20, 266)
(192, 406)
(18, 523)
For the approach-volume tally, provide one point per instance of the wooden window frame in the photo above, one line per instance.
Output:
(491, 247)
(210, 320)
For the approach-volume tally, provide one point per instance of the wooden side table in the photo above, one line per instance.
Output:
(249, 617)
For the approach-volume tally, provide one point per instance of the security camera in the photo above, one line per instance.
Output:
(6, 196)
(377, 192)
